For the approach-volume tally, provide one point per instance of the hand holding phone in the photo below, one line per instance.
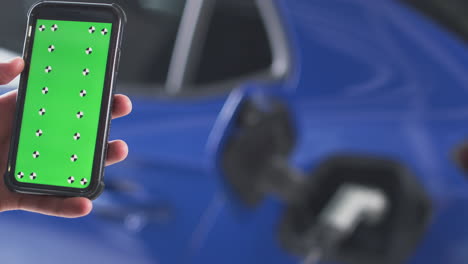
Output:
(59, 139)
(50, 205)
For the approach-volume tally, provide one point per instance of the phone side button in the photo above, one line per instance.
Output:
(117, 64)
(119, 52)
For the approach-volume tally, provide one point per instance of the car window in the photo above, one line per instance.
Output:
(236, 44)
(239, 41)
(449, 13)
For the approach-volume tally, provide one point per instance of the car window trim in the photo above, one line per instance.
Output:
(189, 42)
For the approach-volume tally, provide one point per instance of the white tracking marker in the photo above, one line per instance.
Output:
(36, 154)
(83, 181)
(42, 111)
(71, 179)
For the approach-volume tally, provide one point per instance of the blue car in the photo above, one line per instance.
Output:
(250, 116)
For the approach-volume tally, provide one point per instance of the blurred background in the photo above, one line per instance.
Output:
(275, 131)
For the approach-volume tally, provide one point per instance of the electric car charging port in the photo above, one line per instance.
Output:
(260, 142)
(381, 187)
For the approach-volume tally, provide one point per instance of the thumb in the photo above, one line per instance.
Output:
(9, 70)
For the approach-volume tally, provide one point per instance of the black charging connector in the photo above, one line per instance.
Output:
(385, 237)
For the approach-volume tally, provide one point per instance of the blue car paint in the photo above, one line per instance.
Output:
(368, 77)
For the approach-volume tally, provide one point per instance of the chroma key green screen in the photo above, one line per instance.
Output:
(62, 103)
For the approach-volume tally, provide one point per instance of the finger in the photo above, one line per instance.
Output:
(117, 152)
(122, 106)
(55, 206)
(9, 70)
(7, 108)
(8, 101)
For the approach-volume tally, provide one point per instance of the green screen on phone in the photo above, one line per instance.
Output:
(62, 105)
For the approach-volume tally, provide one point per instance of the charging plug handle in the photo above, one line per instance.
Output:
(349, 207)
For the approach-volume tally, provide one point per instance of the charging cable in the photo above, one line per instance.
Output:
(351, 205)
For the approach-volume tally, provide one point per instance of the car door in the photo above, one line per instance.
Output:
(217, 52)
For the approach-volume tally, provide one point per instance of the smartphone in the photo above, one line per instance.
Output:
(63, 112)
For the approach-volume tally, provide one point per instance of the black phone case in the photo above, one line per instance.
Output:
(96, 186)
